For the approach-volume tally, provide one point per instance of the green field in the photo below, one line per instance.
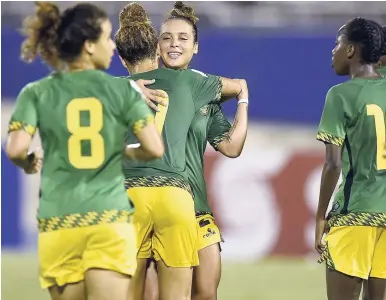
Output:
(269, 280)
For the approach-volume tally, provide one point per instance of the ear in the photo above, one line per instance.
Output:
(195, 48)
(89, 47)
(350, 51)
(158, 52)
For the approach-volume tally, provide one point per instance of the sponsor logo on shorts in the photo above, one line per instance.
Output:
(209, 233)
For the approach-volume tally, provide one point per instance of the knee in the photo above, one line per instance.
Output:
(205, 294)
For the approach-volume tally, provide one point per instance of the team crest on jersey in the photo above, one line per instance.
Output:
(204, 110)
(335, 207)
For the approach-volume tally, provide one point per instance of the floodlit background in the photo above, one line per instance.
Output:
(264, 200)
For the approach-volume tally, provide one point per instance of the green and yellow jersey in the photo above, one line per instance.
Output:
(188, 91)
(354, 118)
(82, 118)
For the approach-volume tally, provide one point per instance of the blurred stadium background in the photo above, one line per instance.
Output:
(264, 200)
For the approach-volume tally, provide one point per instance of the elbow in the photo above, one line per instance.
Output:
(333, 166)
(14, 153)
(157, 152)
(231, 152)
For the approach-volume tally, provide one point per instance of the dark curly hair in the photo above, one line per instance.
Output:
(136, 38)
(57, 37)
(181, 11)
(366, 34)
(384, 39)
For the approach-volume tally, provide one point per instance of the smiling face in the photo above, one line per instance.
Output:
(177, 44)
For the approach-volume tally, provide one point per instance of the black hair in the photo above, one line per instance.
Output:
(384, 39)
(181, 11)
(366, 34)
(57, 37)
(136, 38)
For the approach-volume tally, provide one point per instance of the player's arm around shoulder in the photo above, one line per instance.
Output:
(231, 142)
(21, 130)
(141, 121)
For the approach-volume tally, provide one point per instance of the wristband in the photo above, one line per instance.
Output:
(246, 101)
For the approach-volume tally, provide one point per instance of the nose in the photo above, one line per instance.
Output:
(174, 43)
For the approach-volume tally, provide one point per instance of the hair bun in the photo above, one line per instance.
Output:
(133, 14)
(182, 10)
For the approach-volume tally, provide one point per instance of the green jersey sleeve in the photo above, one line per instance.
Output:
(25, 116)
(135, 111)
(219, 127)
(332, 128)
(205, 88)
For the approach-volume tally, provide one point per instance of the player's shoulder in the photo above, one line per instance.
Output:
(194, 74)
(157, 74)
(347, 89)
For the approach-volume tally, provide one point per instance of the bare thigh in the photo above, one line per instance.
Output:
(71, 291)
(341, 286)
(206, 276)
(106, 285)
(151, 285)
(137, 287)
(174, 283)
(374, 289)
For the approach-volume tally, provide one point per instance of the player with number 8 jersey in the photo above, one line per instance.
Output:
(86, 237)
(85, 163)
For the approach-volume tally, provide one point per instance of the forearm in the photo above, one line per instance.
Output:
(230, 89)
(23, 160)
(233, 145)
(137, 154)
(330, 177)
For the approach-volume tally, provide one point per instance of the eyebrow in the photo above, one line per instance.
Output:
(177, 33)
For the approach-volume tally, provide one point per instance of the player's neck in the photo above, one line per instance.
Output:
(80, 65)
(142, 67)
(358, 70)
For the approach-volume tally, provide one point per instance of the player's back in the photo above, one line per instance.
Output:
(82, 128)
(364, 167)
(187, 92)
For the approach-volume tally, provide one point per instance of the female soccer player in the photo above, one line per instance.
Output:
(87, 243)
(353, 129)
(178, 43)
(160, 190)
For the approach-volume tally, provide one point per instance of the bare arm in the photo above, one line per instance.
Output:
(233, 145)
(150, 145)
(17, 147)
(330, 176)
(231, 88)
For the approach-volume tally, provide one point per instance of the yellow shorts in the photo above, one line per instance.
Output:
(208, 232)
(166, 225)
(358, 251)
(65, 255)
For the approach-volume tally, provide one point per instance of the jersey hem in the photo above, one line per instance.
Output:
(219, 139)
(142, 123)
(358, 219)
(17, 125)
(158, 181)
(329, 138)
(77, 220)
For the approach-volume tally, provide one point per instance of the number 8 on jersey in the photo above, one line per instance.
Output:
(90, 133)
